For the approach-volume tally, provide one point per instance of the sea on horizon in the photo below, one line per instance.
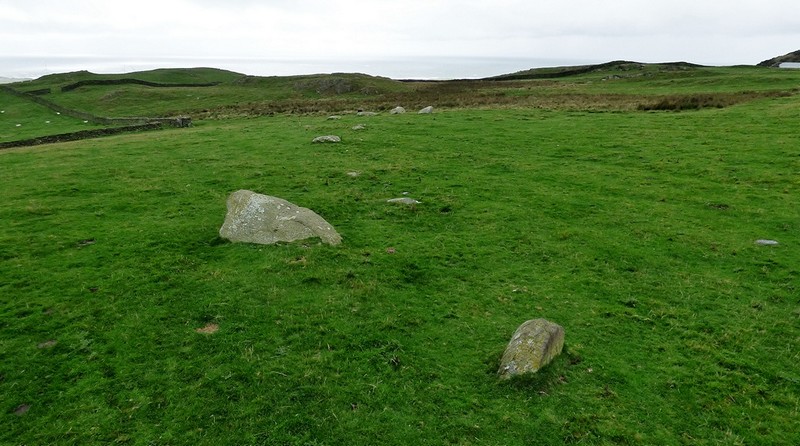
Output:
(423, 68)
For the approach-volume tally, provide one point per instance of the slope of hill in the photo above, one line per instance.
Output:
(617, 65)
(794, 56)
(161, 75)
(208, 93)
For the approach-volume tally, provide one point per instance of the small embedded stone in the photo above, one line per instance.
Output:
(764, 242)
(327, 139)
(403, 200)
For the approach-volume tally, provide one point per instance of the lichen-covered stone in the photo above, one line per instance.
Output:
(327, 139)
(534, 344)
(262, 219)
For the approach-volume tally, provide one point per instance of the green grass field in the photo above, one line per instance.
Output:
(21, 119)
(634, 230)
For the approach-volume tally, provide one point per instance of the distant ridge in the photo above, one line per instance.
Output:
(775, 62)
(557, 72)
(11, 80)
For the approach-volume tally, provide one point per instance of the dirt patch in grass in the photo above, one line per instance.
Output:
(209, 328)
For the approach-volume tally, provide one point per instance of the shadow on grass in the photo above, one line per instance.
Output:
(542, 381)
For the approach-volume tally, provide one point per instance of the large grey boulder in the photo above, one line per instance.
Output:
(426, 110)
(534, 344)
(397, 110)
(262, 219)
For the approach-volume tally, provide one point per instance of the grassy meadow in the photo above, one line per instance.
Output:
(22, 119)
(125, 319)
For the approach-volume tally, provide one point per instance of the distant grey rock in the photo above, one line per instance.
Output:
(359, 127)
(426, 110)
(366, 113)
(404, 200)
(533, 345)
(262, 219)
(334, 117)
(767, 242)
(397, 110)
(353, 174)
(327, 138)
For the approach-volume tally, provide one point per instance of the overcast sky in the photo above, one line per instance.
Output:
(281, 36)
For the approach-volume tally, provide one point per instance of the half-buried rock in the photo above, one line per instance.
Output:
(256, 218)
(533, 346)
(326, 139)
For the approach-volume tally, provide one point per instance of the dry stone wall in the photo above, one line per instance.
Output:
(127, 124)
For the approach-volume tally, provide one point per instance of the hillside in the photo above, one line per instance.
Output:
(207, 93)
(162, 75)
(794, 56)
(614, 66)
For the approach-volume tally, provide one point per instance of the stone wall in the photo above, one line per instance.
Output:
(125, 81)
(180, 121)
(123, 125)
(83, 134)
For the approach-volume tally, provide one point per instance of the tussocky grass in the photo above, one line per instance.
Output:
(633, 230)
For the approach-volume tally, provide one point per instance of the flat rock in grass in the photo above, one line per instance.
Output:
(262, 219)
(359, 127)
(403, 200)
(327, 139)
(767, 242)
(426, 110)
(397, 110)
(534, 344)
(366, 113)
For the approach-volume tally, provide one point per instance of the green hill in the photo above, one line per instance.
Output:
(206, 93)
(777, 61)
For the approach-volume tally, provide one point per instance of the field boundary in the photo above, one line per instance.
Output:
(83, 134)
(134, 81)
(126, 124)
